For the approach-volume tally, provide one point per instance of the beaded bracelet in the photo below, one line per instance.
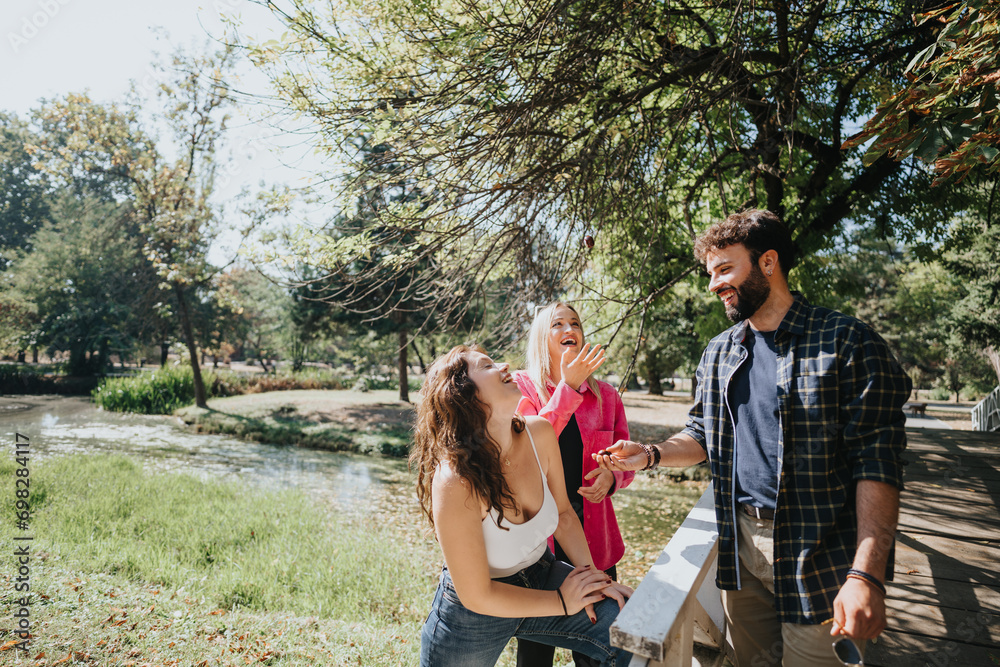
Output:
(864, 576)
(652, 455)
(562, 601)
(649, 455)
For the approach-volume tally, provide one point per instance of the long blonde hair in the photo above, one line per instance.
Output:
(539, 361)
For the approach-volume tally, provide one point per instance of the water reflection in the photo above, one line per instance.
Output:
(59, 425)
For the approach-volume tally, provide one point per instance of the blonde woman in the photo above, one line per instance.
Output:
(588, 416)
(490, 482)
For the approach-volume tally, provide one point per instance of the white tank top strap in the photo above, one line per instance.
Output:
(518, 545)
(533, 449)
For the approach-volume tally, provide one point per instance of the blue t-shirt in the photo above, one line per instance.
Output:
(753, 395)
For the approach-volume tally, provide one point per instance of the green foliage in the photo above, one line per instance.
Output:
(973, 256)
(163, 391)
(948, 113)
(90, 288)
(638, 123)
(20, 379)
(254, 319)
(24, 191)
(157, 393)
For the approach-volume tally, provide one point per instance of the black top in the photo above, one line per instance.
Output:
(571, 448)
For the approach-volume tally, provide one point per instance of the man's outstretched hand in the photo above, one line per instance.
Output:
(623, 455)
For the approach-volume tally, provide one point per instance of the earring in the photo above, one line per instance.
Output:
(768, 272)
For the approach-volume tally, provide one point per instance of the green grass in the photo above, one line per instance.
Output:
(210, 565)
(310, 419)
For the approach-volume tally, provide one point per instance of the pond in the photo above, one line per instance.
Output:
(359, 486)
(58, 425)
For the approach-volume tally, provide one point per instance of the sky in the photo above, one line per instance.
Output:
(49, 48)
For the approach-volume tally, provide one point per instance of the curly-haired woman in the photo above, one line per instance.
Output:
(491, 484)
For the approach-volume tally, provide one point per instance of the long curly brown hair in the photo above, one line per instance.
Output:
(451, 426)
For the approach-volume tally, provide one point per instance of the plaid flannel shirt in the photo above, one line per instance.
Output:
(840, 396)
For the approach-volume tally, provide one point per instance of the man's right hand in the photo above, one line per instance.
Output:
(623, 455)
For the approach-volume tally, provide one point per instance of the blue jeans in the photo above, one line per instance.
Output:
(453, 636)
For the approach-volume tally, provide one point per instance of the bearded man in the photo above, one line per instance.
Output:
(799, 411)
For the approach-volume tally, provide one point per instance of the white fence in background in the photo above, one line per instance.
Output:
(675, 617)
(986, 415)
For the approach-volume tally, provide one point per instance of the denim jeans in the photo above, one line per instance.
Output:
(453, 636)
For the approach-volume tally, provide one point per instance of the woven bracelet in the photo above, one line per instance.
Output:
(854, 573)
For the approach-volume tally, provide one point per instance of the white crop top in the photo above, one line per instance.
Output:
(508, 551)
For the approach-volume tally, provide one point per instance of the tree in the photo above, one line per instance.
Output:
(373, 281)
(973, 255)
(948, 114)
(171, 196)
(635, 123)
(260, 313)
(24, 191)
(87, 282)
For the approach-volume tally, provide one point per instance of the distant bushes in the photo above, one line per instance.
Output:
(24, 379)
(157, 393)
(162, 391)
(227, 383)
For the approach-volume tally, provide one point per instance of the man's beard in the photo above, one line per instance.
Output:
(750, 296)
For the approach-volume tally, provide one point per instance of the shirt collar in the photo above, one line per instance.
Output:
(794, 321)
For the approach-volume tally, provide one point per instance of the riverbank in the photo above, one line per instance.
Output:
(131, 567)
(373, 422)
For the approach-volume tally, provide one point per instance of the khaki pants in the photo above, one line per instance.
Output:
(752, 627)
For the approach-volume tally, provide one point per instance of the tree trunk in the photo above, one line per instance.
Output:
(993, 354)
(404, 389)
(164, 351)
(653, 371)
(182, 310)
(34, 354)
(694, 384)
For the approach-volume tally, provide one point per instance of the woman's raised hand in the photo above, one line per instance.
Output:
(583, 588)
(576, 369)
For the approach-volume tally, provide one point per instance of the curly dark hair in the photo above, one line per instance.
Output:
(451, 426)
(757, 229)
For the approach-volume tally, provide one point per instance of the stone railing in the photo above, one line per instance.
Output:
(675, 616)
(986, 415)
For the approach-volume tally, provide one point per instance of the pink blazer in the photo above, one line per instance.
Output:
(600, 426)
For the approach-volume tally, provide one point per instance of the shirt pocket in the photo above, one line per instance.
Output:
(815, 406)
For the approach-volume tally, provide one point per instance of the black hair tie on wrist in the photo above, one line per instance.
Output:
(562, 601)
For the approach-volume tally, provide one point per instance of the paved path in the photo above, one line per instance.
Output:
(923, 421)
(944, 604)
